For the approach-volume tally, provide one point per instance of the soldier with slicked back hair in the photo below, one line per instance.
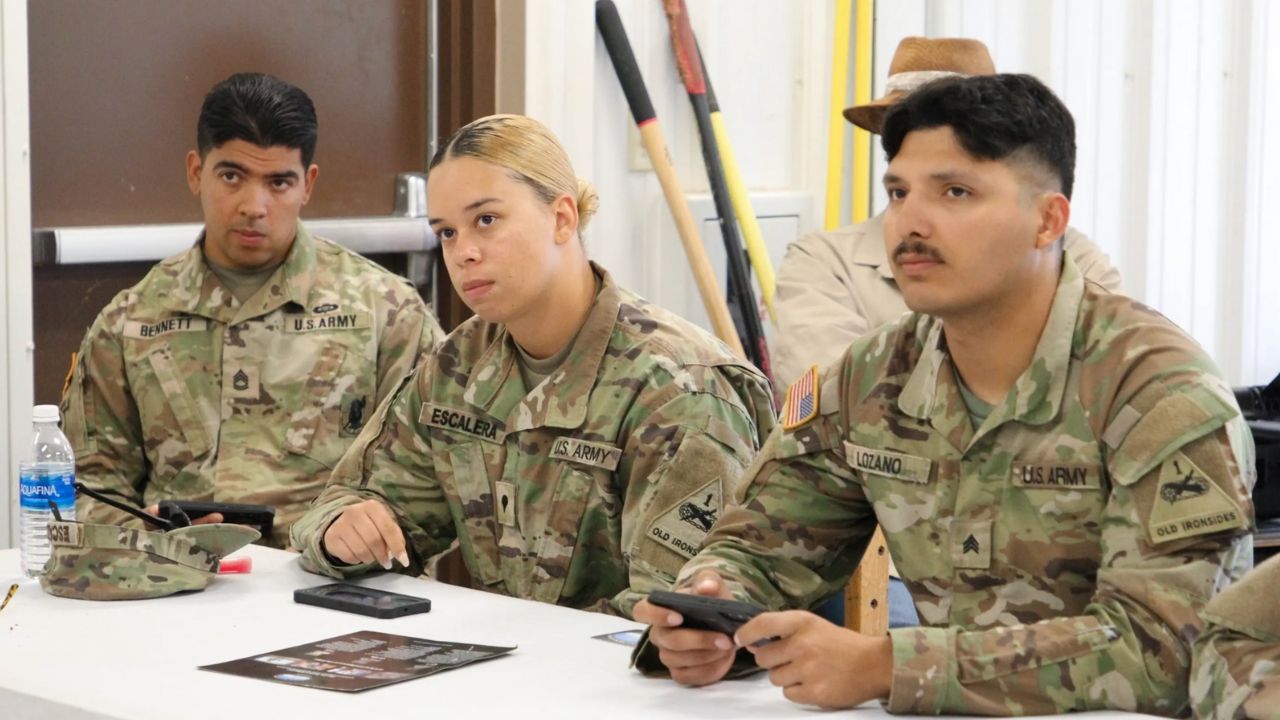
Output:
(576, 440)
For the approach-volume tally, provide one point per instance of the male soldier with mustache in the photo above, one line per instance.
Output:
(1061, 473)
(241, 369)
(836, 286)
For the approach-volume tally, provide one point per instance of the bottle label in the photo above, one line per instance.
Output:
(37, 487)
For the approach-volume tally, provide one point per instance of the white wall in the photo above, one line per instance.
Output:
(16, 375)
(1171, 99)
(772, 91)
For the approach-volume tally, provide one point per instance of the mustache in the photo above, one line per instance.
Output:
(915, 247)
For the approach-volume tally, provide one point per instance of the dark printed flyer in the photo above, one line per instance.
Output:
(358, 661)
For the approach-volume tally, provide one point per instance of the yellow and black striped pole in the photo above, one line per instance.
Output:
(757, 253)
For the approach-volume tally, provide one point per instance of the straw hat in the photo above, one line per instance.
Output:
(917, 61)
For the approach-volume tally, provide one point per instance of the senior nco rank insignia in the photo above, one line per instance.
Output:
(802, 400)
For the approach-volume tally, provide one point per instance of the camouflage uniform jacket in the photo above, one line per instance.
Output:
(588, 490)
(836, 286)
(1059, 554)
(1235, 672)
(180, 391)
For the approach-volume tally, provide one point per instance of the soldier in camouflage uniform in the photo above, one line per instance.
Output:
(1060, 472)
(834, 286)
(1235, 672)
(576, 440)
(241, 369)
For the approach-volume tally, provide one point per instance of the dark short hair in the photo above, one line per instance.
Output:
(260, 109)
(993, 117)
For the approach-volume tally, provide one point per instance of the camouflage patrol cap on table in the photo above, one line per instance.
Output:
(108, 562)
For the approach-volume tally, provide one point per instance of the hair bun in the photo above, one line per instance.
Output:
(588, 203)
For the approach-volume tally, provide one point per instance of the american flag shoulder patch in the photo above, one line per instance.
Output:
(802, 400)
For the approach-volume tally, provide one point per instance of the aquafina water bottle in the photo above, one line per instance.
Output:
(49, 476)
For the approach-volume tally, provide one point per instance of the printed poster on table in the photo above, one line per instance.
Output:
(358, 661)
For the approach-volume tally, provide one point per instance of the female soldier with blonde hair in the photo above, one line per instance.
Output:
(577, 441)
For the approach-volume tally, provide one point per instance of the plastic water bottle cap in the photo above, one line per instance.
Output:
(45, 413)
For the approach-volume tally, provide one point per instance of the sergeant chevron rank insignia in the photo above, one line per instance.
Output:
(971, 544)
(683, 527)
(450, 419)
(245, 384)
(1188, 503)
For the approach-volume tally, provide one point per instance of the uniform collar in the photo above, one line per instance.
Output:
(931, 392)
(561, 400)
(869, 251)
(195, 290)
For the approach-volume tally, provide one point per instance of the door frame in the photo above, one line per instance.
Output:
(17, 392)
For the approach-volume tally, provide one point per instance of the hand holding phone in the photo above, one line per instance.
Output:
(701, 612)
(261, 517)
(693, 656)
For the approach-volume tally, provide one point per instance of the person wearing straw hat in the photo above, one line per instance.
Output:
(836, 286)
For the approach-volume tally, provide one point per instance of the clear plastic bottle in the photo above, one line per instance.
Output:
(49, 475)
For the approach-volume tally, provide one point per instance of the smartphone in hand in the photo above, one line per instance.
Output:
(706, 613)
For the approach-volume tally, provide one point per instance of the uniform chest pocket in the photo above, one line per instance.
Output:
(1060, 491)
(314, 427)
(181, 403)
(559, 537)
(477, 531)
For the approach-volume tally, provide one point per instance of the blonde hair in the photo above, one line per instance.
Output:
(529, 151)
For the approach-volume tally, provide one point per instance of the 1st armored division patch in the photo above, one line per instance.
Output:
(1188, 503)
(683, 526)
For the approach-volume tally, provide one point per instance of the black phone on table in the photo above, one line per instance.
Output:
(362, 600)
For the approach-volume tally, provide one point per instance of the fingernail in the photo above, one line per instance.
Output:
(386, 564)
(404, 559)
(723, 643)
(673, 619)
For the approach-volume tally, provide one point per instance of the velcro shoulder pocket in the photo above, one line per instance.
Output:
(818, 435)
(1174, 420)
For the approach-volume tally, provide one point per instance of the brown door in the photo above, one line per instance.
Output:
(116, 86)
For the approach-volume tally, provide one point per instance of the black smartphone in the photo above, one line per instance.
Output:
(261, 517)
(706, 613)
(361, 600)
